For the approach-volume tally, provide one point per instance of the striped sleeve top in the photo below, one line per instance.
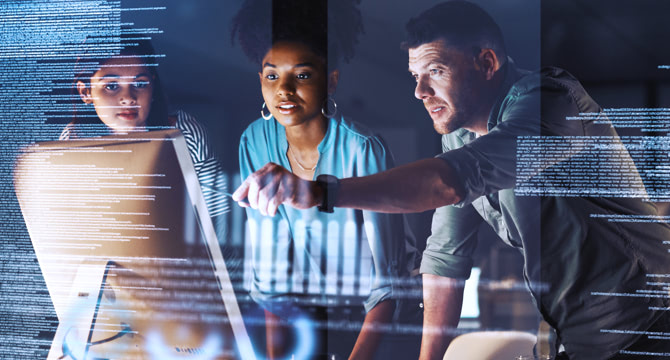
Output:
(210, 173)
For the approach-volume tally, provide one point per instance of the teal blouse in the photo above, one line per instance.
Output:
(328, 259)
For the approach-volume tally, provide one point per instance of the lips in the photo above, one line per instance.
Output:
(127, 115)
(436, 110)
(287, 107)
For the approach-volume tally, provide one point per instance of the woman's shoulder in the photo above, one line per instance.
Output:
(261, 131)
(194, 133)
(186, 122)
(68, 132)
(76, 130)
(260, 143)
(258, 126)
(352, 131)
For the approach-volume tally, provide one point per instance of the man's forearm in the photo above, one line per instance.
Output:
(415, 187)
(371, 333)
(442, 300)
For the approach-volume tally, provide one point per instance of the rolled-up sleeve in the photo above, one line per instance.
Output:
(453, 237)
(452, 242)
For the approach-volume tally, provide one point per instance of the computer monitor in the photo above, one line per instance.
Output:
(128, 250)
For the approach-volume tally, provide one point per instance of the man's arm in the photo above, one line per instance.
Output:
(415, 187)
(442, 301)
(370, 335)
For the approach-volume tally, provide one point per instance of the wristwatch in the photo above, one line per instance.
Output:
(330, 186)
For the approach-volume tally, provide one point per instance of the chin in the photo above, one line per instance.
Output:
(449, 125)
(126, 125)
(291, 120)
(284, 121)
(443, 128)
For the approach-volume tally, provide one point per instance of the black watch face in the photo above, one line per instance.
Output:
(329, 184)
(330, 180)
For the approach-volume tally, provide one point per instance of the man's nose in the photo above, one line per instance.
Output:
(423, 88)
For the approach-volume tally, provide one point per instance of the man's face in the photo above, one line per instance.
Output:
(447, 83)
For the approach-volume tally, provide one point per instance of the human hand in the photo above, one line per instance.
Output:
(272, 185)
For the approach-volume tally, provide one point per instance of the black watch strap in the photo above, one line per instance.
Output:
(330, 186)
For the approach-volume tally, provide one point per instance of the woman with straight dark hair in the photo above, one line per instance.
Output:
(121, 92)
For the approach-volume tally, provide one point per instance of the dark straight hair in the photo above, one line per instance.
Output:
(460, 24)
(129, 46)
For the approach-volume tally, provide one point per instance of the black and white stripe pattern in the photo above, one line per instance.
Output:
(210, 173)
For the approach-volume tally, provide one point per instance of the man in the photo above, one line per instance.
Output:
(585, 274)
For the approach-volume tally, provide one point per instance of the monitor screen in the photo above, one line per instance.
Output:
(126, 245)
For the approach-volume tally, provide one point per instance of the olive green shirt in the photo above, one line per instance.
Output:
(588, 276)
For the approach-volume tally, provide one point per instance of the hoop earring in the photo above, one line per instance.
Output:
(324, 109)
(263, 115)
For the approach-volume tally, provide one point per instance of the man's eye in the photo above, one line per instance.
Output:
(141, 84)
(271, 76)
(435, 71)
(111, 86)
(304, 76)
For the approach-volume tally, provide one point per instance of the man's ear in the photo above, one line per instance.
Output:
(487, 62)
(333, 78)
(84, 92)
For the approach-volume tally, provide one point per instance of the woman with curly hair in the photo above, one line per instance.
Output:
(309, 264)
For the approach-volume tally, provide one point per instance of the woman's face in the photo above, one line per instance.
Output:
(294, 83)
(121, 92)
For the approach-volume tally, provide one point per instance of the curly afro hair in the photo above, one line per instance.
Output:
(331, 30)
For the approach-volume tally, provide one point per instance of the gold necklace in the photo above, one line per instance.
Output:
(298, 161)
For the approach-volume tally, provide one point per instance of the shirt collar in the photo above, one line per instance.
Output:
(323, 146)
(511, 75)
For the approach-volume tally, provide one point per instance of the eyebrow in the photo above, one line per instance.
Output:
(114, 76)
(305, 64)
(432, 63)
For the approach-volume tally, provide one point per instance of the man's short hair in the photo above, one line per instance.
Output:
(460, 24)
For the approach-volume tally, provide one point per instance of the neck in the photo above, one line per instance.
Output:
(480, 128)
(306, 137)
(303, 141)
(125, 130)
(489, 97)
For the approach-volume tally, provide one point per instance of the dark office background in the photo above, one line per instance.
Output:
(614, 48)
(212, 79)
